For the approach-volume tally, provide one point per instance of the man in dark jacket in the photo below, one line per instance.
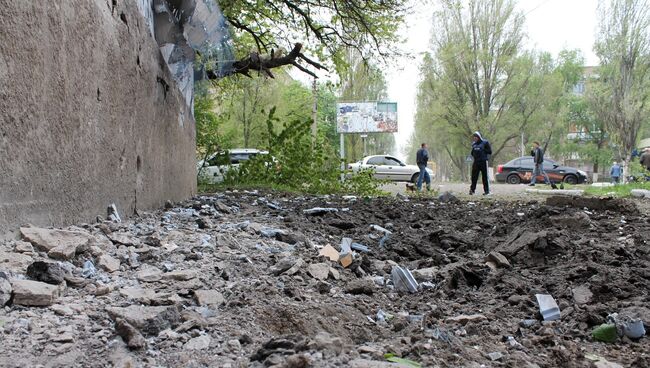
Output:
(538, 160)
(645, 158)
(422, 158)
(481, 152)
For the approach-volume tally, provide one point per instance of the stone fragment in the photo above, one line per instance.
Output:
(209, 297)
(495, 355)
(24, 247)
(15, 262)
(149, 274)
(34, 293)
(5, 289)
(425, 274)
(180, 275)
(61, 310)
(129, 334)
(319, 271)
(103, 290)
(582, 294)
(124, 239)
(139, 295)
(325, 342)
(48, 272)
(465, 319)
(48, 239)
(283, 265)
(295, 268)
(360, 286)
(334, 273)
(198, 343)
(108, 263)
(499, 259)
(149, 320)
(319, 211)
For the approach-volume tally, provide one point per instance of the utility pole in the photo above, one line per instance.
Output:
(314, 112)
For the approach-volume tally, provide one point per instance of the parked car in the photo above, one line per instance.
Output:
(213, 169)
(388, 168)
(520, 170)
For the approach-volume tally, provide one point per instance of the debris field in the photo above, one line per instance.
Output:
(262, 279)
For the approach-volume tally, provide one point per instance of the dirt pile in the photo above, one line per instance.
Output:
(238, 280)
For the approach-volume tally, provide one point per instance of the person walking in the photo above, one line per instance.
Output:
(422, 158)
(615, 173)
(538, 160)
(481, 152)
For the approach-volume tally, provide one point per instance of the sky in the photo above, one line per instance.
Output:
(551, 25)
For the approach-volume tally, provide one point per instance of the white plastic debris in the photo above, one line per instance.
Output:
(404, 280)
(548, 307)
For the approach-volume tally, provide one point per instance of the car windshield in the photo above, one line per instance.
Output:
(393, 161)
(376, 160)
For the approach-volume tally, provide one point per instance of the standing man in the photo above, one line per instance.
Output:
(538, 159)
(481, 152)
(645, 158)
(422, 158)
(615, 173)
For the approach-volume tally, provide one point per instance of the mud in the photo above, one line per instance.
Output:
(475, 308)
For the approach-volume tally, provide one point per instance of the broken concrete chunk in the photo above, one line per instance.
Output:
(499, 259)
(149, 274)
(582, 294)
(198, 343)
(209, 297)
(404, 280)
(319, 271)
(61, 310)
(425, 274)
(23, 247)
(283, 265)
(465, 319)
(137, 294)
(295, 268)
(495, 355)
(548, 308)
(180, 275)
(319, 211)
(330, 252)
(360, 286)
(5, 289)
(124, 239)
(34, 293)
(65, 241)
(108, 263)
(149, 320)
(129, 334)
(15, 262)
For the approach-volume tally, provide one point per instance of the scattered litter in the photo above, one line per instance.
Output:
(359, 247)
(89, 269)
(112, 213)
(394, 359)
(548, 308)
(512, 342)
(605, 333)
(271, 233)
(495, 355)
(383, 240)
(317, 211)
(380, 229)
(404, 280)
(383, 316)
(630, 327)
(439, 334)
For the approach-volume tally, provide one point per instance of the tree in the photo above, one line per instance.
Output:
(623, 47)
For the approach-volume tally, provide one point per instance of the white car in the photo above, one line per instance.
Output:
(388, 168)
(212, 169)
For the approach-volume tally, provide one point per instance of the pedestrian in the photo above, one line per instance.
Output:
(538, 160)
(615, 173)
(422, 158)
(481, 152)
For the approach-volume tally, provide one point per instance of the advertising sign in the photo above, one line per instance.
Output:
(366, 117)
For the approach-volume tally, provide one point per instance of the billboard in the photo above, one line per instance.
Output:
(366, 117)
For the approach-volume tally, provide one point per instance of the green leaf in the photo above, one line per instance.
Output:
(394, 359)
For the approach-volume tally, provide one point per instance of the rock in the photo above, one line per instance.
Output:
(5, 289)
(548, 308)
(425, 274)
(448, 197)
(149, 274)
(334, 273)
(63, 337)
(234, 345)
(329, 252)
(34, 293)
(23, 247)
(582, 294)
(295, 268)
(495, 356)
(366, 363)
(324, 341)
(124, 239)
(283, 265)
(640, 193)
(15, 262)
(149, 320)
(108, 263)
(63, 243)
(319, 271)
(198, 343)
(499, 259)
(61, 310)
(103, 290)
(360, 286)
(319, 211)
(181, 275)
(51, 273)
(209, 297)
(129, 334)
(465, 319)
(139, 295)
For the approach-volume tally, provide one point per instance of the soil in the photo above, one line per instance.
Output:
(474, 307)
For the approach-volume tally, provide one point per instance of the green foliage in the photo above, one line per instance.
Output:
(298, 163)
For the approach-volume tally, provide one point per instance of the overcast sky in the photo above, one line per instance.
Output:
(551, 25)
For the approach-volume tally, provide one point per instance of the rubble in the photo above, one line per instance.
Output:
(548, 308)
(167, 291)
(33, 293)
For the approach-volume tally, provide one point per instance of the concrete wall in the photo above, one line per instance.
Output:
(89, 114)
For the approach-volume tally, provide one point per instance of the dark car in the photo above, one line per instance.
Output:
(520, 170)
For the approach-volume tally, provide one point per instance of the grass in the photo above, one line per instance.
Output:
(620, 191)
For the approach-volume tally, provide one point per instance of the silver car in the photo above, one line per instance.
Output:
(213, 169)
(388, 168)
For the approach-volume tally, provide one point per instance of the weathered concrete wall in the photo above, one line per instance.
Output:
(89, 114)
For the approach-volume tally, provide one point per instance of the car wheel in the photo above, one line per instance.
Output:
(513, 179)
(414, 178)
(571, 179)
